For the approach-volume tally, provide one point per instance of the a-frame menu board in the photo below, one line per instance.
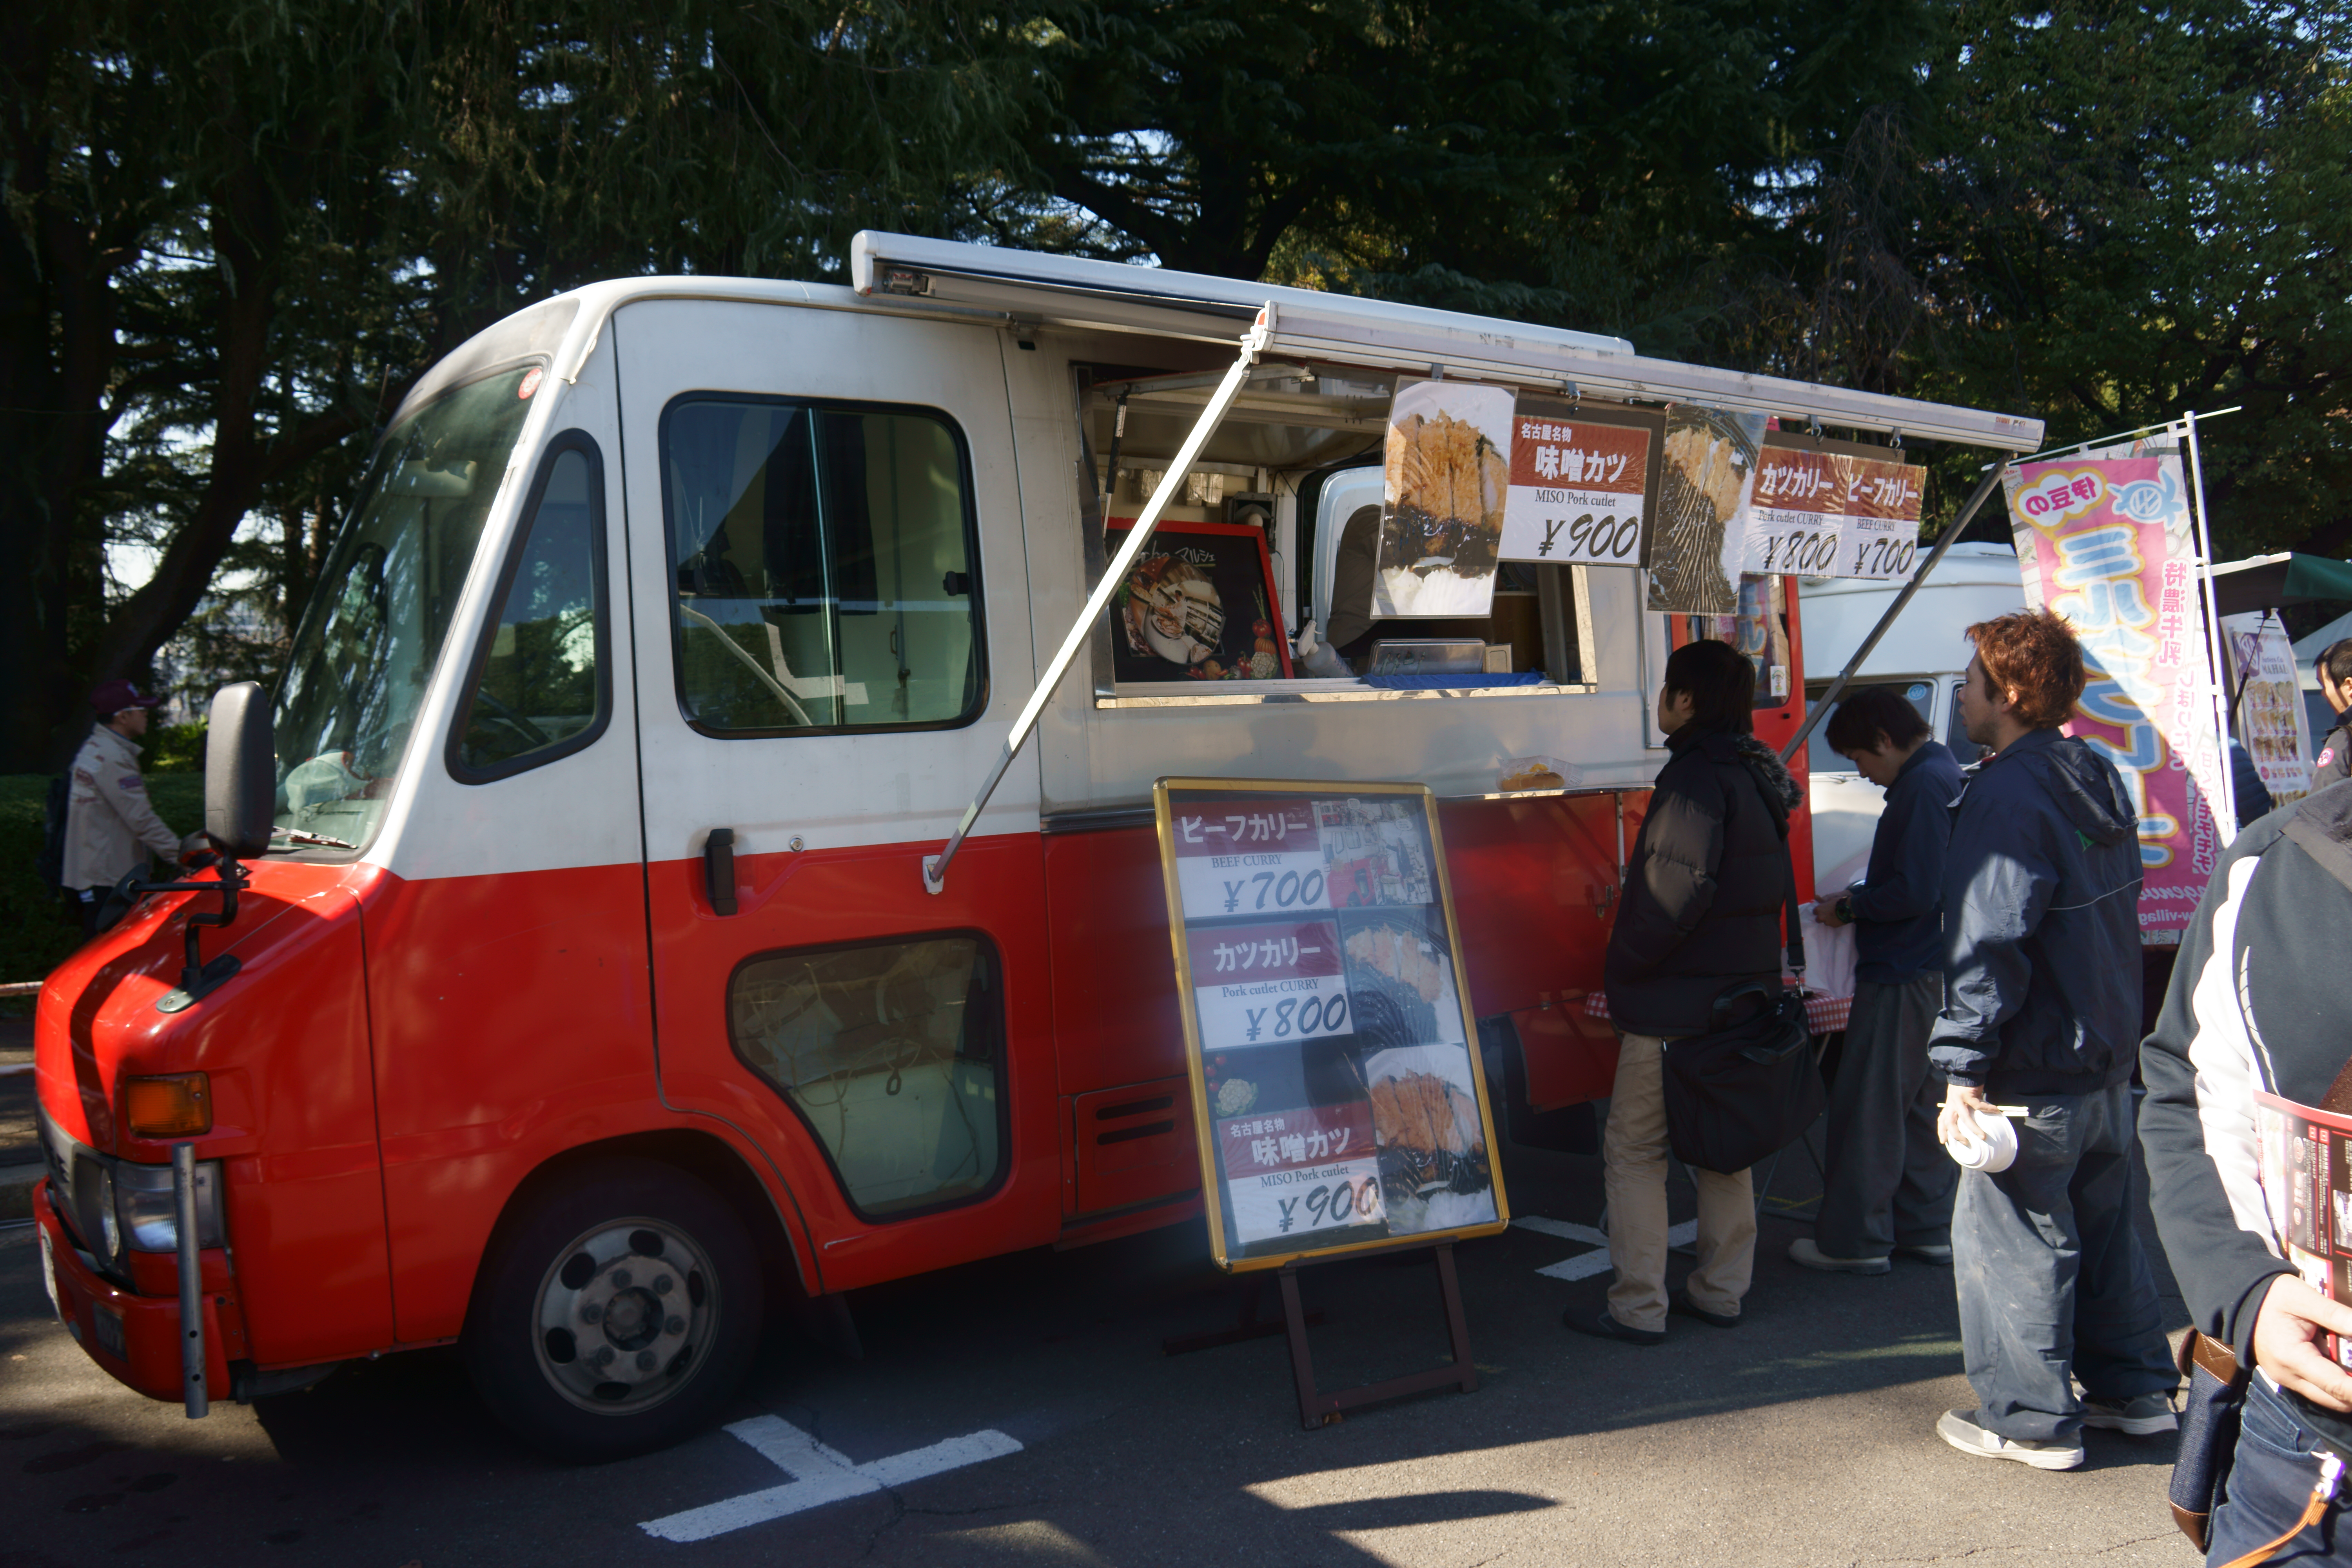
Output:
(1328, 1026)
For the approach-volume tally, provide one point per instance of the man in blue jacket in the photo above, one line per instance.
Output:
(1889, 1183)
(2041, 1010)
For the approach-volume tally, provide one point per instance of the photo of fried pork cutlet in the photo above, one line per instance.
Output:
(1448, 465)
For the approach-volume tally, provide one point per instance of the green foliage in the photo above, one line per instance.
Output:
(35, 935)
(173, 749)
(2142, 209)
(235, 232)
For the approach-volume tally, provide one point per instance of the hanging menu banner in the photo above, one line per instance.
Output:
(1580, 483)
(1833, 509)
(1326, 1025)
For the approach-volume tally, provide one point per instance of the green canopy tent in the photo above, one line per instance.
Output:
(2275, 582)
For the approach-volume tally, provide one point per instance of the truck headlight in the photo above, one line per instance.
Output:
(142, 1207)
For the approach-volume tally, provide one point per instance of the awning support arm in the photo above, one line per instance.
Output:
(1813, 710)
(1253, 343)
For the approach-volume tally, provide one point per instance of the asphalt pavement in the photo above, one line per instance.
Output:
(1022, 1410)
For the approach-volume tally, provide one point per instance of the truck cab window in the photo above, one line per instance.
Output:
(891, 1054)
(1823, 759)
(823, 567)
(539, 688)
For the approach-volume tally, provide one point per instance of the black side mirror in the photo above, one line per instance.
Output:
(240, 772)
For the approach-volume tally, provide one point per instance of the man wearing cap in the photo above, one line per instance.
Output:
(111, 825)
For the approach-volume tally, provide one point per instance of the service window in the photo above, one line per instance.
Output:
(541, 683)
(823, 559)
(892, 1053)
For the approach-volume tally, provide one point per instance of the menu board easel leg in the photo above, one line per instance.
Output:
(1319, 1409)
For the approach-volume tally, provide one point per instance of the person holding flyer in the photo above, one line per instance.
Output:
(2041, 1018)
(1889, 1188)
(2248, 1063)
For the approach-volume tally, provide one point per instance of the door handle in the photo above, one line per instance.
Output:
(718, 869)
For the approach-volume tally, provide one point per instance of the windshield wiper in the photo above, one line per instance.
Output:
(296, 835)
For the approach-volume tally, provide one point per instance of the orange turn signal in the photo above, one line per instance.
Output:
(175, 1105)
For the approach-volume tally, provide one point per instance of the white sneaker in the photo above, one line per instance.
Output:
(2141, 1417)
(1807, 1254)
(1964, 1434)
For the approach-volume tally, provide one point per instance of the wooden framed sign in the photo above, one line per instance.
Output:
(1328, 1029)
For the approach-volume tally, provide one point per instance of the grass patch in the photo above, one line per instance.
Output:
(34, 936)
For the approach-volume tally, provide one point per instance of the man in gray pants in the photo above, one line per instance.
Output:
(1889, 1186)
(2042, 1014)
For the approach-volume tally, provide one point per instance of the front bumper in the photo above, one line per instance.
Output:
(135, 1338)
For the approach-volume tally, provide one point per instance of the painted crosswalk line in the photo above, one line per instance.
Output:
(1585, 1265)
(819, 1474)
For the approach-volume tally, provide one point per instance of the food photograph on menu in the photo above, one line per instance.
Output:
(1697, 543)
(1341, 1099)
(1447, 470)
(1198, 604)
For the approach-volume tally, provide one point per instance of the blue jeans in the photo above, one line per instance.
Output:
(2051, 1276)
(2270, 1481)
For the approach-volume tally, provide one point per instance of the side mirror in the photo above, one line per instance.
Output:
(240, 772)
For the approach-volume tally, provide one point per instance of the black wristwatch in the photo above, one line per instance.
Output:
(1845, 907)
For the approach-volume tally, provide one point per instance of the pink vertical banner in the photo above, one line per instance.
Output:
(2106, 540)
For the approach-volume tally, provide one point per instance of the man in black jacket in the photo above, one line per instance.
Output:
(2042, 1008)
(2252, 1009)
(1889, 1185)
(1704, 892)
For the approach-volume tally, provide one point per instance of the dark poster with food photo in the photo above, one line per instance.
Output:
(1339, 1096)
(1198, 604)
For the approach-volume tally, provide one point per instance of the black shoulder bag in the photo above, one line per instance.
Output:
(1744, 1091)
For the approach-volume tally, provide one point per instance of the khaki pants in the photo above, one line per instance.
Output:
(1634, 1154)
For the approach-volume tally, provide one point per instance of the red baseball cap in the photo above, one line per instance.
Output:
(116, 695)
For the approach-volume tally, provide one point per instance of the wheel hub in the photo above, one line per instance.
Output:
(623, 1314)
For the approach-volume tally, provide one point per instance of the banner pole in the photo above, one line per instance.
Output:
(1813, 710)
(2225, 810)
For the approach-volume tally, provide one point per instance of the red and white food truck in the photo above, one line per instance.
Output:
(603, 974)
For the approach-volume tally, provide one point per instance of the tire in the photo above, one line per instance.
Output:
(617, 1312)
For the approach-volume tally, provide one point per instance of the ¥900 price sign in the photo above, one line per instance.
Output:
(1580, 486)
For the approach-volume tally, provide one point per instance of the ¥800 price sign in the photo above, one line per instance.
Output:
(1833, 509)
(1326, 1025)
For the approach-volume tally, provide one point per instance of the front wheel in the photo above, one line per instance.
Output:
(619, 1311)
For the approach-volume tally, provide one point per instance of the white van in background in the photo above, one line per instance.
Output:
(1923, 655)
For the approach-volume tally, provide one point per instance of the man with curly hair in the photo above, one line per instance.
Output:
(2041, 1021)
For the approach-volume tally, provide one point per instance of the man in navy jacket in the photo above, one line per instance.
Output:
(2041, 1010)
(1889, 1183)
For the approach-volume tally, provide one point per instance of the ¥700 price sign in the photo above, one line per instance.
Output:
(1327, 1022)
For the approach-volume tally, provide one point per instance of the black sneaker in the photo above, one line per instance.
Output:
(1605, 1327)
(1682, 1306)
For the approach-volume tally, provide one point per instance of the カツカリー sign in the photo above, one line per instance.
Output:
(1833, 509)
(1327, 1024)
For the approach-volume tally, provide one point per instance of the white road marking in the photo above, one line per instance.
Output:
(1585, 1265)
(820, 1475)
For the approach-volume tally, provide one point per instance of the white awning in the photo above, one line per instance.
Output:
(1341, 328)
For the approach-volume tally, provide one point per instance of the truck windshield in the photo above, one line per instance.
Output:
(383, 602)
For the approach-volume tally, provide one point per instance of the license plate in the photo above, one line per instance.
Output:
(107, 1324)
(49, 1276)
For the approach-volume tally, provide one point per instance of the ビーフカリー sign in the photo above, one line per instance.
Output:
(1833, 509)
